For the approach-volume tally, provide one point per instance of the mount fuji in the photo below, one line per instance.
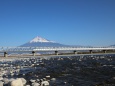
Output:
(42, 42)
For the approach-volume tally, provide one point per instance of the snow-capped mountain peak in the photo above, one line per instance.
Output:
(41, 42)
(39, 39)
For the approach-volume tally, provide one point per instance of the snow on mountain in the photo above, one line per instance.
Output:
(39, 39)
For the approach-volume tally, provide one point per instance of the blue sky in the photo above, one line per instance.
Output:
(72, 22)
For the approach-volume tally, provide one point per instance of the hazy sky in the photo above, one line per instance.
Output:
(73, 22)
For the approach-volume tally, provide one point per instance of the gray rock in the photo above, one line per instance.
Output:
(35, 84)
(53, 79)
(45, 83)
(11, 79)
(6, 81)
(1, 78)
(38, 80)
(48, 76)
(32, 81)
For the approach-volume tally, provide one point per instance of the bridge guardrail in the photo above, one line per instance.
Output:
(53, 48)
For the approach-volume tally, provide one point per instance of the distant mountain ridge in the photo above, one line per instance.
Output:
(42, 42)
(113, 45)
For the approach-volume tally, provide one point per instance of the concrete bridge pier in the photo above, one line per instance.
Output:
(104, 51)
(56, 52)
(5, 54)
(33, 52)
(75, 52)
(90, 51)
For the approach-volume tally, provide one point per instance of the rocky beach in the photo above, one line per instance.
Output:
(58, 71)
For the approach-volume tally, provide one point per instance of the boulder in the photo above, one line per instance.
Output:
(1, 83)
(23, 81)
(16, 82)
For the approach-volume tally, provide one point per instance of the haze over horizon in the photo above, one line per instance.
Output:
(70, 22)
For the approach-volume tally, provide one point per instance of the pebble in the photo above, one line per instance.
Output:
(53, 79)
(32, 81)
(35, 84)
(45, 83)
